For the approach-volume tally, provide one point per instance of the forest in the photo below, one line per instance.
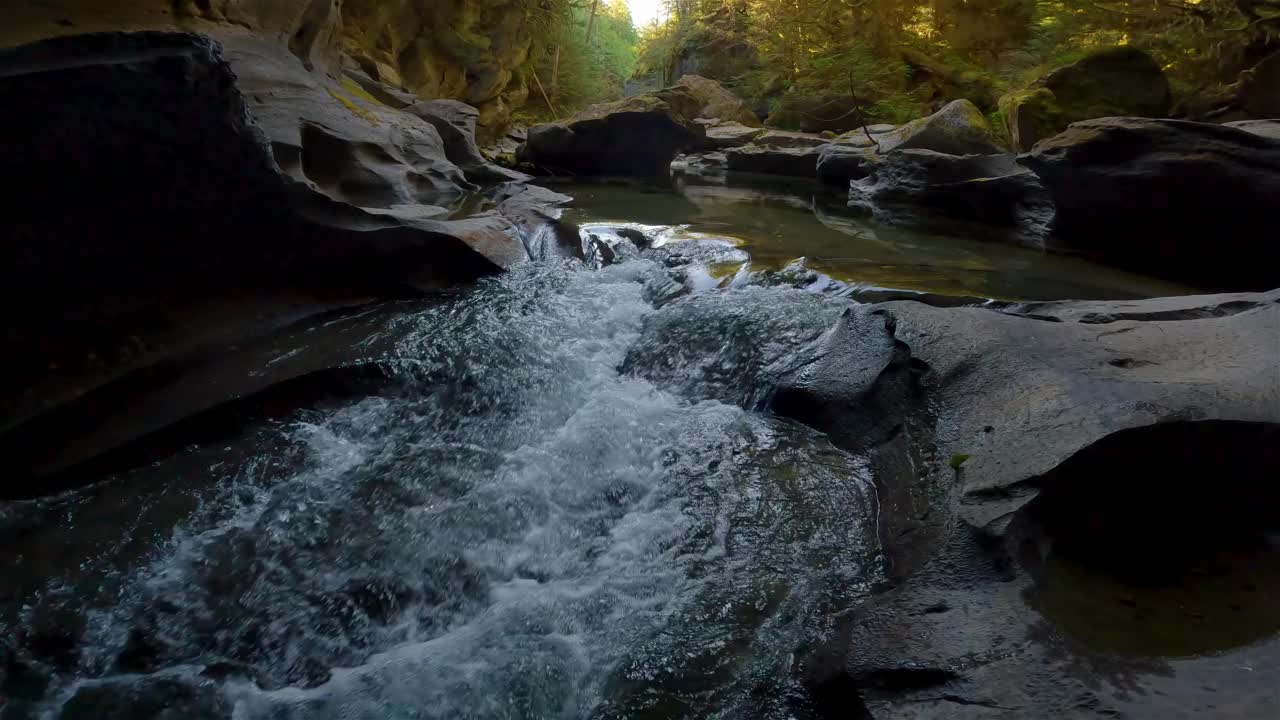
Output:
(802, 61)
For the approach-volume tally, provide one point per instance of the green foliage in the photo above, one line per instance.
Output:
(958, 460)
(573, 72)
(899, 58)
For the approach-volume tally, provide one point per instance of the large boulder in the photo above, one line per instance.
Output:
(635, 136)
(1112, 82)
(1258, 93)
(959, 128)
(1191, 202)
(717, 102)
(929, 189)
(838, 163)
(791, 161)
(1040, 471)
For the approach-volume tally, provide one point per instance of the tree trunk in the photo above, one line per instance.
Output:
(591, 21)
(555, 73)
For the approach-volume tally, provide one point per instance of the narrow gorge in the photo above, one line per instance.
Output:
(696, 359)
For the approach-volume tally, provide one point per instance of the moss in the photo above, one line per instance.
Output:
(353, 87)
(355, 109)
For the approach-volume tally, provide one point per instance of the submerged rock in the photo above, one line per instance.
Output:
(1191, 202)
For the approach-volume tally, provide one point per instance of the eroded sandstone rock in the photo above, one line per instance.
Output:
(1041, 469)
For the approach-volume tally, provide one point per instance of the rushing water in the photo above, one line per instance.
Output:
(567, 502)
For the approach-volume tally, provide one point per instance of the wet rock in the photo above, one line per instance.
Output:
(709, 167)
(291, 195)
(930, 189)
(1112, 82)
(717, 102)
(456, 123)
(1173, 199)
(1019, 467)
(684, 253)
(536, 213)
(792, 161)
(148, 699)
(959, 128)
(839, 163)
(639, 135)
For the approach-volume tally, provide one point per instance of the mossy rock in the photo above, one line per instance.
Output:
(959, 128)
(1031, 115)
(1122, 81)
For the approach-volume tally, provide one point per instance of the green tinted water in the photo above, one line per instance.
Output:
(778, 226)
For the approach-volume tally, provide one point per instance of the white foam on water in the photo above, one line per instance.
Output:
(519, 530)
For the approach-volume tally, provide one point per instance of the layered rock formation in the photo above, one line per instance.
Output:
(452, 50)
(1055, 546)
(174, 190)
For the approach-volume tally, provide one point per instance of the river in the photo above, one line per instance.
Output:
(565, 499)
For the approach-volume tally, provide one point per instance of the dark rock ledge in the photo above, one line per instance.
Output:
(1077, 504)
(173, 200)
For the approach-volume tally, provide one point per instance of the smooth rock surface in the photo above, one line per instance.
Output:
(1265, 128)
(1192, 202)
(175, 192)
(732, 134)
(791, 161)
(930, 189)
(718, 103)
(786, 139)
(1009, 437)
(456, 123)
(959, 128)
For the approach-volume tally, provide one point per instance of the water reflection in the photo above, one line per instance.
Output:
(787, 220)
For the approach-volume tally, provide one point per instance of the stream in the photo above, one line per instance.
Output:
(567, 499)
